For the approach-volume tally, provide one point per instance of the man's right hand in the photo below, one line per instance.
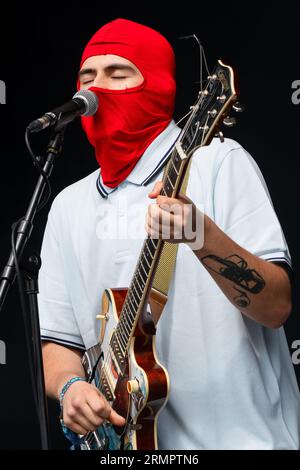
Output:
(85, 409)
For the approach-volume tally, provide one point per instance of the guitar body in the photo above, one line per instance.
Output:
(140, 391)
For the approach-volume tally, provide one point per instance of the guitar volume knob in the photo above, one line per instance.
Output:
(132, 386)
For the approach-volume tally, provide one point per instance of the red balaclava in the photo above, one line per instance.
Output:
(127, 121)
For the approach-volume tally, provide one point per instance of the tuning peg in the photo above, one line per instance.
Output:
(220, 135)
(229, 121)
(238, 107)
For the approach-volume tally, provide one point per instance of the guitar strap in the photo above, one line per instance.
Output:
(166, 265)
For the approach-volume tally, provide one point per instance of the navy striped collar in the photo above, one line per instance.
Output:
(151, 163)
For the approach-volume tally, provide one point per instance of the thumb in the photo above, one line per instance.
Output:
(156, 190)
(116, 419)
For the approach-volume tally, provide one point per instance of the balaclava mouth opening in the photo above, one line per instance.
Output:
(127, 121)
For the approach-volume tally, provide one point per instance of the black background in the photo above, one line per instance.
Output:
(40, 53)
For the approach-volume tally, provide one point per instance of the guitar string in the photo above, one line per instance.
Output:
(117, 337)
(126, 304)
(201, 57)
(109, 357)
(184, 133)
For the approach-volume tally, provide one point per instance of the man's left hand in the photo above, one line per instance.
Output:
(176, 220)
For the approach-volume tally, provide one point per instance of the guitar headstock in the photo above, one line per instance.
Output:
(212, 109)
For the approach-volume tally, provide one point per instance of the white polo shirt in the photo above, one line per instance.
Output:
(232, 381)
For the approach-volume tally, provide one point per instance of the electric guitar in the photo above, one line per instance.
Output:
(124, 365)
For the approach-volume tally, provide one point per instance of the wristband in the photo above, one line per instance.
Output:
(66, 387)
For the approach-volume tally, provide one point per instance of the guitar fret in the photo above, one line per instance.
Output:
(139, 296)
(132, 298)
(132, 294)
(174, 167)
(129, 299)
(145, 257)
(169, 187)
(122, 327)
(126, 329)
(138, 288)
(170, 181)
(148, 253)
(139, 280)
(141, 263)
(121, 334)
(172, 176)
(133, 314)
(145, 280)
(132, 320)
(152, 246)
(177, 158)
(130, 315)
(118, 337)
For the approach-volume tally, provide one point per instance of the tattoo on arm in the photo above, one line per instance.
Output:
(235, 268)
(241, 300)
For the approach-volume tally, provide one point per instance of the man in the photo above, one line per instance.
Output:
(221, 340)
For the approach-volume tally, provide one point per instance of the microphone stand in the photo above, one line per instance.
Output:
(30, 273)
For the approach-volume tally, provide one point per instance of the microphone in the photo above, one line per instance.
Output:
(84, 103)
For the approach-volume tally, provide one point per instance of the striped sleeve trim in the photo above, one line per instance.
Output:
(270, 255)
(284, 262)
(64, 342)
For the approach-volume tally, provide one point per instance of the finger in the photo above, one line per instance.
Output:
(102, 407)
(76, 422)
(163, 222)
(154, 218)
(156, 190)
(170, 204)
(154, 212)
(77, 428)
(116, 419)
(98, 405)
(159, 217)
(93, 416)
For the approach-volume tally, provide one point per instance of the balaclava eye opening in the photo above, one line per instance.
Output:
(127, 121)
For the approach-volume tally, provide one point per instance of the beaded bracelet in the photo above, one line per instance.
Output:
(66, 387)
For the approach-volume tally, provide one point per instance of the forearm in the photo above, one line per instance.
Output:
(260, 289)
(60, 365)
